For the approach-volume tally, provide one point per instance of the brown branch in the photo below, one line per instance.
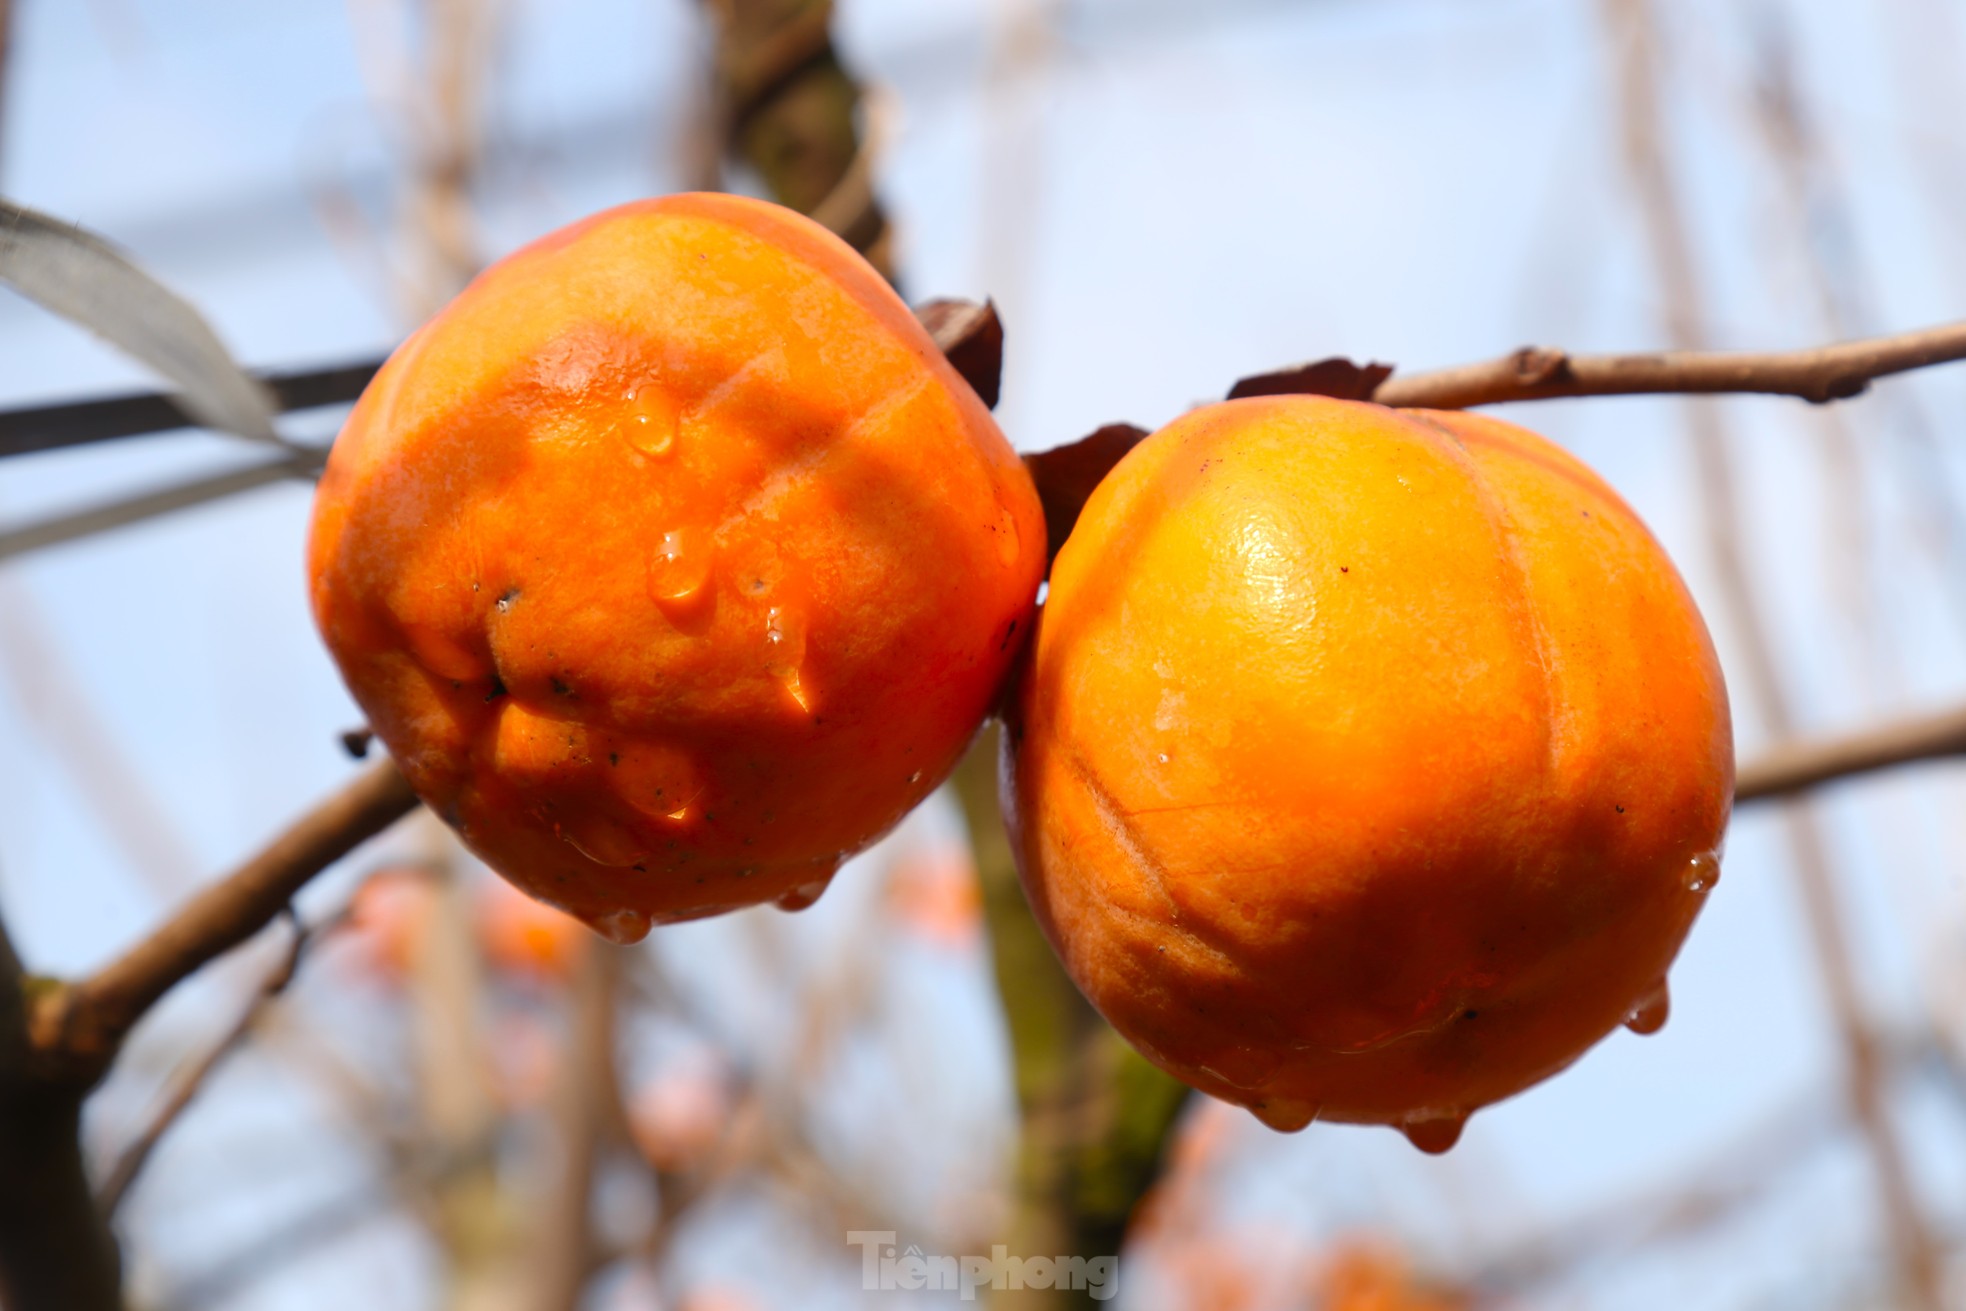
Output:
(563, 1227)
(76, 1029)
(56, 1249)
(1797, 766)
(1818, 374)
(1067, 474)
(136, 1154)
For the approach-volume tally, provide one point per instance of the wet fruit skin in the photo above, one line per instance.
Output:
(673, 562)
(1370, 765)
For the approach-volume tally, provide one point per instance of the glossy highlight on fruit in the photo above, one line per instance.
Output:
(673, 562)
(1370, 765)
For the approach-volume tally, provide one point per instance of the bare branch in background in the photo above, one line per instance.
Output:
(53, 696)
(134, 1156)
(1095, 1116)
(583, 1098)
(1797, 766)
(6, 59)
(789, 107)
(145, 506)
(1632, 26)
(449, 143)
(77, 1028)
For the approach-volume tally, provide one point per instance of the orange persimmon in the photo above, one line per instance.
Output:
(673, 562)
(1370, 765)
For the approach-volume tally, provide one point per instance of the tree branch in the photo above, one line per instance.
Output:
(1819, 374)
(76, 1029)
(77, 423)
(1797, 766)
(136, 1154)
(1067, 474)
(56, 1249)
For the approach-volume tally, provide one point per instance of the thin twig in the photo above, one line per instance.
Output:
(77, 1029)
(135, 1155)
(1866, 1078)
(78, 524)
(1817, 374)
(1797, 766)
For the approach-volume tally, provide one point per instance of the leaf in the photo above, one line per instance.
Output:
(1336, 377)
(80, 276)
(1066, 475)
(971, 335)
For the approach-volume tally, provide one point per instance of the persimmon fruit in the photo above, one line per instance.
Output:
(1369, 765)
(673, 562)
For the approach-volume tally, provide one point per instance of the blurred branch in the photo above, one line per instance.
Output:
(1096, 1116)
(130, 1163)
(562, 1227)
(78, 524)
(76, 1028)
(788, 107)
(1797, 766)
(54, 698)
(1632, 24)
(6, 59)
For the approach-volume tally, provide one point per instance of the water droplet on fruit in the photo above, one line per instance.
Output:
(785, 654)
(1008, 541)
(650, 423)
(1243, 1067)
(915, 777)
(803, 895)
(679, 567)
(624, 928)
(1434, 1132)
(1702, 872)
(1285, 1114)
(603, 841)
(1649, 1016)
(1161, 758)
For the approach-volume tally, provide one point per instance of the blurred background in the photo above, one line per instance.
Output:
(1160, 197)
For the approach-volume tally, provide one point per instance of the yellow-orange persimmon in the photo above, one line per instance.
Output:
(1370, 765)
(673, 562)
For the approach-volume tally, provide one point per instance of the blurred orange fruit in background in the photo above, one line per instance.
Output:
(526, 938)
(1367, 1275)
(388, 917)
(932, 893)
(673, 562)
(1370, 765)
(679, 1116)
